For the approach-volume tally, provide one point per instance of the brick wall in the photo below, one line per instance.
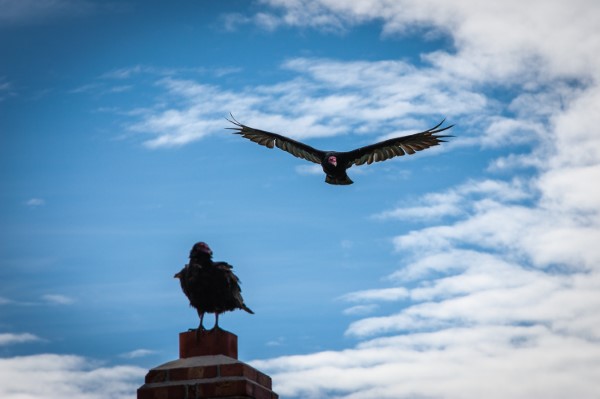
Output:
(202, 376)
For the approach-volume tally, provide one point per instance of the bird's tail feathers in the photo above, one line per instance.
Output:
(338, 181)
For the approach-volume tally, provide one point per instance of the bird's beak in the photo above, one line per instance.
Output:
(177, 275)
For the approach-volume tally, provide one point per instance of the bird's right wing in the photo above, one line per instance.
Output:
(397, 146)
(271, 140)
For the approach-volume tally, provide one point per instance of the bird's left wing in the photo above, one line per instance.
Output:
(271, 140)
(231, 281)
(397, 146)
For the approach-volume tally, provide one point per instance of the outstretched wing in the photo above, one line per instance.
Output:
(397, 146)
(271, 140)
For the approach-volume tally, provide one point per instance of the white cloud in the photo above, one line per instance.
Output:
(493, 361)
(360, 310)
(232, 21)
(453, 201)
(6, 89)
(137, 353)
(129, 72)
(50, 376)
(124, 73)
(4, 85)
(58, 299)
(11, 338)
(501, 299)
(326, 98)
(309, 169)
(385, 294)
(525, 43)
(279, 341)
(35, 202)
(4, 301)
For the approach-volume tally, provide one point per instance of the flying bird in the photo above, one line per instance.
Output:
(210, 286)
(336, 163)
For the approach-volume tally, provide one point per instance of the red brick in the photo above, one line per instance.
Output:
(207, 368)
(207, 343)
(238, 370)
(261, 392)
(193, 373)
(264, 380)
(156, 376)
(221, 389)
(163, 392)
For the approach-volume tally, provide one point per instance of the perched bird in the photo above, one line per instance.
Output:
(336, 163)
(210, 286)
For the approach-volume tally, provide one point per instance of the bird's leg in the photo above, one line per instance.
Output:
(216, 326)
(200, 327)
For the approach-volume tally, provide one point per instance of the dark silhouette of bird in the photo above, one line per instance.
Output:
(336, 163)
(210, 286)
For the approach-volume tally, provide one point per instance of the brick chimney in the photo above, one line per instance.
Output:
(207, 368)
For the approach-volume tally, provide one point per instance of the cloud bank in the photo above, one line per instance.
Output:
(51, 376)
(11, 338)
(503, 289)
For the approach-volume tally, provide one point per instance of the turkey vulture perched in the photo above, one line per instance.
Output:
(336, 163)
(210, 286)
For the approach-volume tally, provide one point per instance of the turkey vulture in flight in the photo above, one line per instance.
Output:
(336, 163)
(210, 286)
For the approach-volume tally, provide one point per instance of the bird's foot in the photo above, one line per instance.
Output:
(199, 330)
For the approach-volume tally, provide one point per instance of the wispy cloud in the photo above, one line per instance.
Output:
(35, 202)
(4, 85)
(66, 374)
(57, 299)
(279, 341)
(11, 338)
(327, 98)
(47, 299)
(32, 11)
(25, 12)
(101, 89)
(4, 301)
(135, 354)
(6, 89)
(309, 169)
(132, 71)
(384, 294)
(360, 310)
(454, 202)
(86, 88)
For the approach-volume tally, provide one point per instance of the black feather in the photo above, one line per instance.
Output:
(211, 287)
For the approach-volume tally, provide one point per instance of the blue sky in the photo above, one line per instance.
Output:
(473, 266)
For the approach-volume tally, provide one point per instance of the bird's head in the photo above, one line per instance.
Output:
(200, 249)
(332, 160)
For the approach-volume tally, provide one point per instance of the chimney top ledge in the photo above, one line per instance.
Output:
(197, 361)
